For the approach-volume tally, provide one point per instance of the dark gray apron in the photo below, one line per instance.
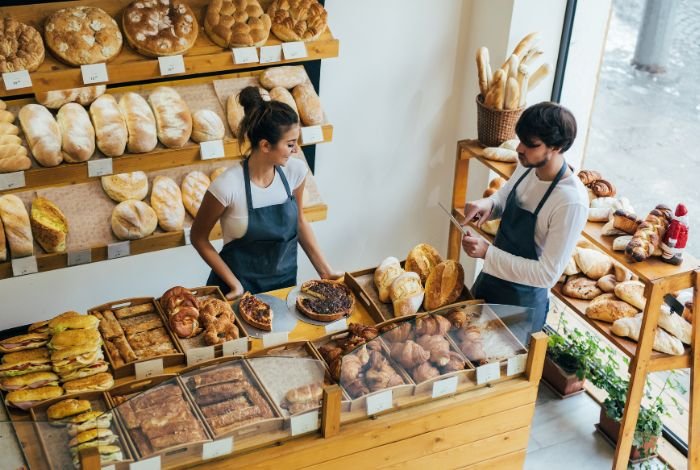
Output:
(265, 258)
(516, 235)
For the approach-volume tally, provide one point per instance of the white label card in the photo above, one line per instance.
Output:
(99, 167)
(294, 50)
(12, 180)
(302, 424)
(311, 135)
(235, 347)
(218, 448)
(110, 467)
(26, 265)
(146, 369)
(94, 73)
(171, 65)
(379, 402)
(444, 387)
(197, 355)
(269, 54)
(245, 55)
(149, 464)
(186, 232)
(118, 250)
(212, 149)
(78, 257)
(16, 80)
(339, 325)
(488, 373)
(273, 339)
(516, 365)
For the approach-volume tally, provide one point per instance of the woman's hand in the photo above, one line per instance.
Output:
(332, 276)
(236, 291)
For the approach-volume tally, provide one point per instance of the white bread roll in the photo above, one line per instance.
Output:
(3, 242)
(283, 95)
(287, 76)
(166, 200)
(13, 157)
(499, 154)
(125, 186)
(173, 117)
(54, 99)
(675, 325)
(140, 122)
(110, 126)
(77, 133)
(607, 283)
(593, 263)
(18, 231)
(6, 116)
(663, 342)
(132, 220)
(631, 292)
(406, 294)
(598, 214)
(384, 276)
(42, 133)
(207, 126)
(194, 186)
(308, 104)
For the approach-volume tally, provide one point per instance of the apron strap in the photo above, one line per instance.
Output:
(557, 178)
(512, 191)
(246, 178)
(284, 181)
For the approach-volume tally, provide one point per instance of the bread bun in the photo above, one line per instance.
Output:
(207, 126)
(406, 294)
(631, 292)
(593, 263)
(125, 186)
(194, 186)
(444, 285)
(166, 201)
(580, 287)
(77, 133)
(173, 118)
(132, 220)
(422, 259)
(287, 76)
(140, 122)
(384, 276)
(111, 132)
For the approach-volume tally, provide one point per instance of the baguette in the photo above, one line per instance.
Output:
(500, 154)
(42, 133)
(495, 96)
(523, 79)
(539, 75)
(482, 61)
(513, 64)
(531, 55)
(110, 126)
(526, 44)
(308, 104)
(512, 98)
(77, 133)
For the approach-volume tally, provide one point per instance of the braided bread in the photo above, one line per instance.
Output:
(647, 239)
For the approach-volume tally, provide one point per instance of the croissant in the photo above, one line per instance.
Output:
(457, 317)
(356, 387)
(589, 176)
(363, 331)
(472, 344)
(398, 333)
(380, 375)
(603, 188)
(350, 369)
(437, 346)
(455, 363)
(409, 354)
(362, 354)
(647, 239)
(432, 325)
(306, 393)
(424, 372)
(330, 352)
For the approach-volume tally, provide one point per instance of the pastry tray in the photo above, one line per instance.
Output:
(292, 306)
(128, 369)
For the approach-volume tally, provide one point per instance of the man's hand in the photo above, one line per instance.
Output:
(475, 247)
(479, 211)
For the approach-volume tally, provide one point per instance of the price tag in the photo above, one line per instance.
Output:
(273, 339)
(294, 50)
(99, 167)
(12, 180)
(269, 54)
(22, 266)
(186, 232)
(218, 448)
(339, 325)
(16, 80)
(488, 373)
(235, 347)
(171, 65)
(516, 365)
(211, 149)
(197, 355)
(110, 467)
(245, 55)
(444, 387)
(149, 464)
(311, 135)
(379, 402)
(94, 73)
(78, 257)
(118, 250)
(304, 423)
(146, 369)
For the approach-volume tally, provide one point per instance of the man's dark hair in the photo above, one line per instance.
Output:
(553, 124)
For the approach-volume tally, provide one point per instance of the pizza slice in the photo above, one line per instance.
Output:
(326, 301)
(256, 312)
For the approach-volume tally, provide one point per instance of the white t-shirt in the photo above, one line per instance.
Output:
(559, 224)
(229, 190)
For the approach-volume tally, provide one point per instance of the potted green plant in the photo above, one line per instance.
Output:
(569, 356)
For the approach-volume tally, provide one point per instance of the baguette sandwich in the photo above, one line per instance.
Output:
(25, 399)
(25, 362)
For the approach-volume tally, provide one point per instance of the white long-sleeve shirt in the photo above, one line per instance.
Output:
(559, 225)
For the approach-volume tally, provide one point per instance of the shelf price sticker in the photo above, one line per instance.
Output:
(99, 167)
(198, 355)
(94, 73)
(245, 55)
(149, 464)
(269, 54)
(444, 387)
(339, 325)
(118, 250)
(171, 65)
(146, 369)
(12, 180)
(516, 364)
(273, 339)
(79, 257)
(302, 424)
(379, 402)
(16, 80)
(235, 347)
(187, 232)
(488, 373)
(213, 449)
(311, 135)
(24, 266)
(212, 149)
(294, 50)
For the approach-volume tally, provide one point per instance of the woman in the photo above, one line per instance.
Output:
(259, 203)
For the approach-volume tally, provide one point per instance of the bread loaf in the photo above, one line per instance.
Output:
(10, 139)
(598, 214)
(132, 220)
(140, 122)
(422, 259)
(499, 154)
(207, 126)
(110, 126)
(607, 283)
(234, 113)
(166, 201)
(308, 104)
(77, 133)
(194, 186)
(625, 221)
(283, 95)
(580, 287)
(647, 239)
(42, 133)
(173, 118)
(287, 76)
(384, 276)
(444, 285)
(125, 186)
(482, 61)
(676, 325)
(631, 292)
(49, 225)
(406, 294)
(13, 156)
(54, 99)
(608, 308)
(8, 129)
(18, 230)
(6, 116)
(609, 229)
(297, 20)
(593, 263)
(663, 342)
(571, 267)
(539, 75)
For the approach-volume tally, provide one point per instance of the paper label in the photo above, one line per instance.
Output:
(99, 167)
(273, 339)
(197, 355)
(245, 55)
(149, 464)
(146, 369)
(171, 65)
(294, 50)
(94, 73)
(302, 424)
(235, 347)
(218, 448)
(269, 54)
(16, 80)
(339, 325)
(109, 467)
(488, 373)
(12, 180)
(186, 232)
(212, 149)
(78, 257)
(379, 402)
(444, 387)
(516, 365)
(26, 265)
(118, 250)
(311, 135)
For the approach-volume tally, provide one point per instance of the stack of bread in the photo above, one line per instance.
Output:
(13, 155)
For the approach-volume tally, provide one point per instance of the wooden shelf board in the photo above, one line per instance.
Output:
(129, 66)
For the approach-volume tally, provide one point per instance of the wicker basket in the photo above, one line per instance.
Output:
(495, 126)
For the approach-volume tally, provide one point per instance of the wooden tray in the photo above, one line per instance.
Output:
(129, 368)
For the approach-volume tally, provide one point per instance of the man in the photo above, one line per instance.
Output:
(543, 208)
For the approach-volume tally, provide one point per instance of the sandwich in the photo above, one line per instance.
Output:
(69, 359)
(86, 371)
(92, 438)
(73, 321)
(43, 326)
(31, 380)
(67, 408)
(21, 342)
(25, 362)
(88, 420)
(98, 382)
(25, 399)
(108, 454)
(71, 338)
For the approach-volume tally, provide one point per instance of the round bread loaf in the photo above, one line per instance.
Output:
(125, 186)
(422, 259)
(444, 285)
(298, 20)
(132, 220)
(207, 126)
(21, 46)
(160, 27)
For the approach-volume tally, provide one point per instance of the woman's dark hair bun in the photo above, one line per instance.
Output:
(251, 99)
(263, 120)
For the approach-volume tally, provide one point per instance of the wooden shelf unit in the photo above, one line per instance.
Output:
(660, 279)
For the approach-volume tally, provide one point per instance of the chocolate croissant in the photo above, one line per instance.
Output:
(603, 188)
